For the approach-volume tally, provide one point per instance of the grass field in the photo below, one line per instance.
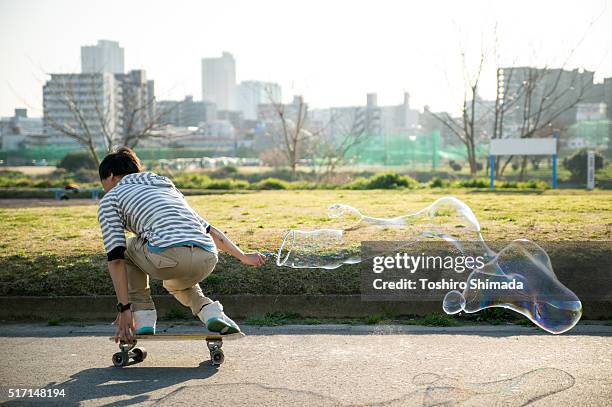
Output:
(57, 250)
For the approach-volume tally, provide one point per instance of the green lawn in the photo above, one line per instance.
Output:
(58, 251)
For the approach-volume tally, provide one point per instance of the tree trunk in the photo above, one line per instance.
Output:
(503, 167)
(472, 159)
(94, 155)
(523, 168)
(293, 166)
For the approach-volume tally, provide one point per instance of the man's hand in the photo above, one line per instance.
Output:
(253, 259)
(125, 326)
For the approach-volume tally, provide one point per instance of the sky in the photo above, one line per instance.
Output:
(332, 52)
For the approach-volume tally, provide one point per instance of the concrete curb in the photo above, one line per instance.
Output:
(240, 306)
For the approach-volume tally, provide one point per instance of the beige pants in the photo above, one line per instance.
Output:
(180, 268)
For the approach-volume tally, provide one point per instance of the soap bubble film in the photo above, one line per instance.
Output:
(543, 298)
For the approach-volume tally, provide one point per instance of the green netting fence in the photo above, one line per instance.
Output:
(596, 133)
(411, 149)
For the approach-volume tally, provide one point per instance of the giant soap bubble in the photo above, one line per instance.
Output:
(447, 218)
(543, 298)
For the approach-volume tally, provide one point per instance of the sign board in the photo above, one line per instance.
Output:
(590, 170)
(523, 146)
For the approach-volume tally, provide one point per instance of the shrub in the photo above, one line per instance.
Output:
(44, 183)
(438, 320)
(358, 183)
(77, 160)
(310, 185)
(532, 184)
(229, 171)
(373, 319)
(509, 185)
(272, 183)
(455, 165)
(240, 184)
(227, 184)
(474, 183)
(390, 180)
(439, 183)
(191, 181)
(577, 165)
(536, 184)
(219, 184)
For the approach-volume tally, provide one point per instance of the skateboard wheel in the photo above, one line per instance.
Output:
(140, 354)
(217, 357)
(119, 360)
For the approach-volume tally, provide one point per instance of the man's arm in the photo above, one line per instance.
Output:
(225, 244)
(116, 268)
(112, 228)
(124, 321)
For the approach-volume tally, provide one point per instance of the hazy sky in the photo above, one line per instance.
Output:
(332, 52)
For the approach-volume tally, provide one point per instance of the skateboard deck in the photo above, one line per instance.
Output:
(130, 354)
(187, 336)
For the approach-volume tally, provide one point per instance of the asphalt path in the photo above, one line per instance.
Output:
(316, 366)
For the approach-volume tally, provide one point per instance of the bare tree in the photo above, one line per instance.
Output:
(541, 98)
(334, 149)
(290, 128)
(535, 99)
(95, 119)
(467, 127)
(76, 126)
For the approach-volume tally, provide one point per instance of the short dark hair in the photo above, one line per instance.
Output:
(122, 162)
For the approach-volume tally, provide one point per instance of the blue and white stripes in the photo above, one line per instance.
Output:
(151, 207)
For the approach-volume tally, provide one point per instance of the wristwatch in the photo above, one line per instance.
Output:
(121, 307)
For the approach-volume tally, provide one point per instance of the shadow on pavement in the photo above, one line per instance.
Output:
(520, 390)
(136, 383)
(430, 389)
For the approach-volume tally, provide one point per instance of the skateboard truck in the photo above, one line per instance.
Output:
(216, 353)
(129, 354)
(128, 351)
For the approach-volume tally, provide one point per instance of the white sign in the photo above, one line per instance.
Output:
(523, 146)
(590, 170)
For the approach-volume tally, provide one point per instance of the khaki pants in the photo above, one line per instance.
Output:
(180, 268)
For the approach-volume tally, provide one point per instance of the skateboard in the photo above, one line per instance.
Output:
(129, 354)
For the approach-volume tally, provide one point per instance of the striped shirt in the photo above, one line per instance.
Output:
(151, 207)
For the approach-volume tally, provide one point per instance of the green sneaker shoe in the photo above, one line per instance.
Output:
(214, 318)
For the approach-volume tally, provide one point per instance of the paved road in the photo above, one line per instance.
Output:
(320, 366)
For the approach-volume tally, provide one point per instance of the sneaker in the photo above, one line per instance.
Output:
(145, 322)
(216, 321)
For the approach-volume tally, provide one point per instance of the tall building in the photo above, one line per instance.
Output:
(219, 81)
(102, 101)
(541, 94)
(81, 104)
(106, 56)
(138, 108)
(371, 118)
(20, 131)
(266, 136)
(186, 113)
(607, 99)
(250, 94)
(101, 104)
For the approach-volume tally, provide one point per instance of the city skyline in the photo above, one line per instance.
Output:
(352, 52)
